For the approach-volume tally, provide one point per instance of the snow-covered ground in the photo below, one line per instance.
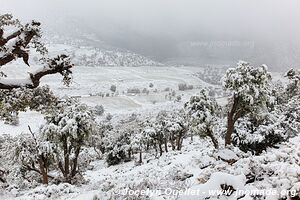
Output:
(198, 167)
(90, 82)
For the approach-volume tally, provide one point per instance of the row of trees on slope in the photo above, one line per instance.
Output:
(259, 114)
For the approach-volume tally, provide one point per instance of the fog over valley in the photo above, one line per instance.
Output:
(192, 32)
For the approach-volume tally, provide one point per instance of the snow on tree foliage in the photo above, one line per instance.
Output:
(166, 127)
(248, 83)
(250, 89)
(260, 116)
(294, 83)
(99, 110)
(68, 128)
(16, 95)
(97, 139)
(59, 142)
(176, 127)
(35, 155)
(20, 99)
(202, 113)
(117, 147)
(257, 134)
(16, 39)
(256, 131)
(289, 106)
(135, 136)
(118, 144)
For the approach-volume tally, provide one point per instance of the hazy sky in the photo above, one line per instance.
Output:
(167, 16)
(159, 27)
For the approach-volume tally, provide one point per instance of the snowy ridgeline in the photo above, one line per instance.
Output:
(90, 56)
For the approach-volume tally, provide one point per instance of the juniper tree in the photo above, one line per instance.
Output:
(166, 127)
(35, 155)
(17, 45)
(294, 83)
(202, 113)
(16, 42)
(176, 127)
(68, 128)
(250, 92)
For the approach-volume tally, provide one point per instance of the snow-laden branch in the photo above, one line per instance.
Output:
(61, 64)
(16, 45)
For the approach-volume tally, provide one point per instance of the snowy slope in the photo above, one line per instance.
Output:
(181, 174)
(92, 56)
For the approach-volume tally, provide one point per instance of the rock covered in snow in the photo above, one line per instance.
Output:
(219, 184)
(227, 155)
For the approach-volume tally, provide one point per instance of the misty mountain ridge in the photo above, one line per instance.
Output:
(130, 48)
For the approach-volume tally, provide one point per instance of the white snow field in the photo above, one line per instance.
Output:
(90, 82)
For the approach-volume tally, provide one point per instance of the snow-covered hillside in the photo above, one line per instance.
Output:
(92, 56)
(197, 171)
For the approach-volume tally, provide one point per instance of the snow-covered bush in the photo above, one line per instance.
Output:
(13, 101)
(291, 115)
(97, 139)
(202, 112)
(256, 135)
(124, 140)
(145, 91)
(133, 91)
(166, 128)
(8, 161)
(35, 155)
(212, 75)
(99, 110)
(184, 86)
(68, 128)
(117, 147)
(108, 117)
(176, 127)
(294, 83)
(178, 98)
(279, 92)
(277, 169)
(113, 88)
(51, 191)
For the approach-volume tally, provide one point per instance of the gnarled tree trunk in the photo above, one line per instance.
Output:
(233, 115)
